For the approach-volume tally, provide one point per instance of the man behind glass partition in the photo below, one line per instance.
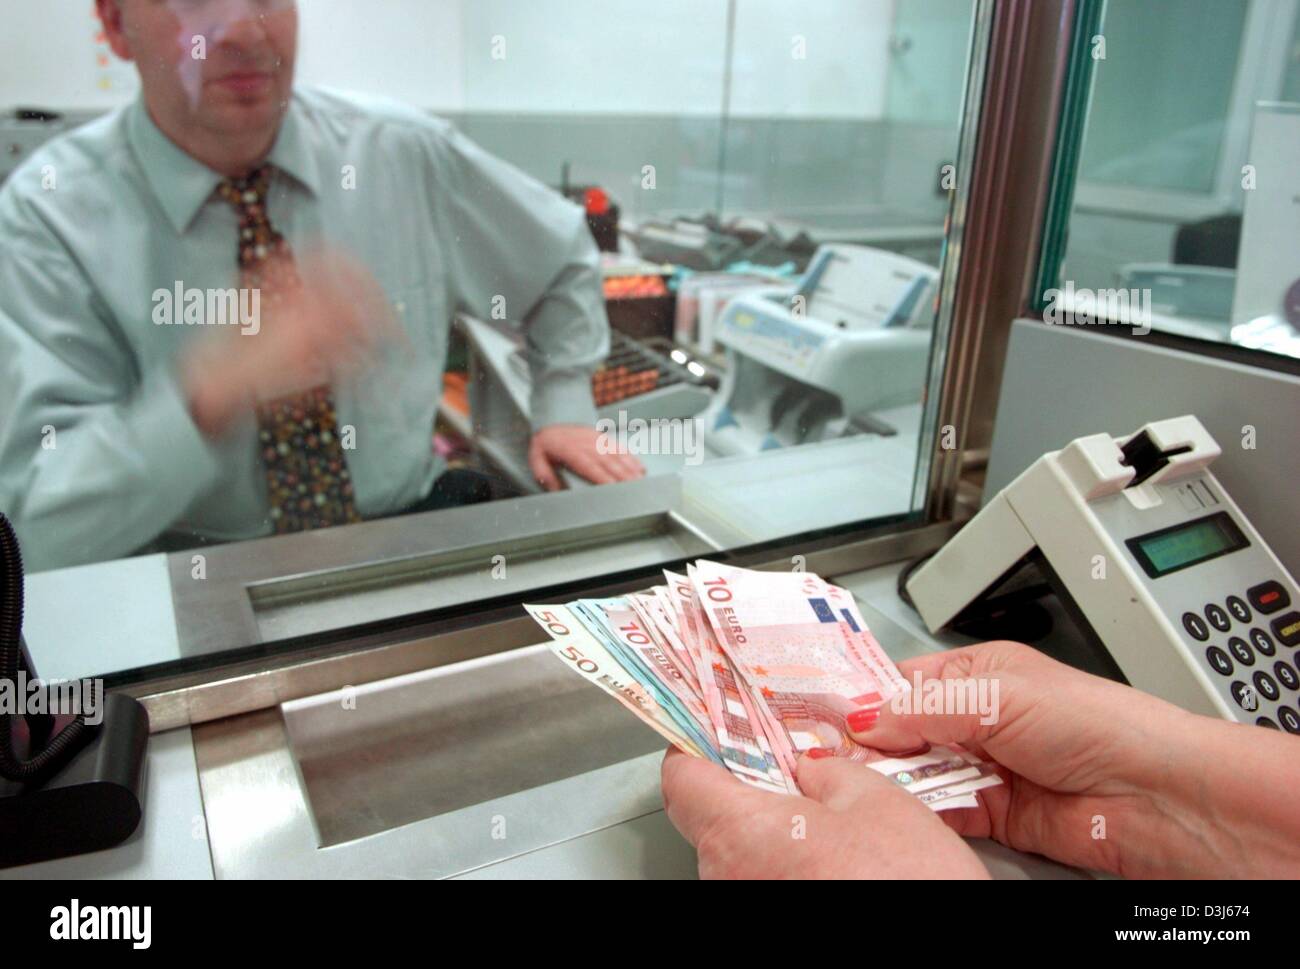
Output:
(224, 309)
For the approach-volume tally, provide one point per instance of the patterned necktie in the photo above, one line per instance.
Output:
(307, 476)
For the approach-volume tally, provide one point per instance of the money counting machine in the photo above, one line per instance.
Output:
(816, 361)
(808, 362)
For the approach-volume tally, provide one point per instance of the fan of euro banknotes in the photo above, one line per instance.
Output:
(750, 670)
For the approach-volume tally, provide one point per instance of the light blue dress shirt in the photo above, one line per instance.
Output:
(98, 454)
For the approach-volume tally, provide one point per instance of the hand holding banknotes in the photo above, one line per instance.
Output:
(1096, 774)
(801, 750)
(849, 823)
(750, 670)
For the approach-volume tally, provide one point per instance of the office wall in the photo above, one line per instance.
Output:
(928, 56)
(811, 59)
(408, 49)
(49, 58)
(819, 58)
(823, 116)
(595, 56)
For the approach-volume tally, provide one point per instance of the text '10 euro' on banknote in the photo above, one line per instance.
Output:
(750, 670)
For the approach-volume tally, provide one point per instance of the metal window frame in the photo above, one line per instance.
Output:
(1028, 86)
(1015, 84)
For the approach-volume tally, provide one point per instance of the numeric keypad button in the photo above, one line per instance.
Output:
(1219, 661)
(1240, 611)
(1286, 675)
(1267, 686)
(1245, 695)
(1241, 649)
(1217, 617)
(1196, 627)
(1262, 641)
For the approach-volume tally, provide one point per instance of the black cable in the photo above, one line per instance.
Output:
(12, 767)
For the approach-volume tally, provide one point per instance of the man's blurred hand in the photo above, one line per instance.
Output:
(580, 449)
(326, 330)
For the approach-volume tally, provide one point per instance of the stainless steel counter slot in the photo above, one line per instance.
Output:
(420, 746)
(432, 774)
(270, 589)
(265, 589)
(502, 758)
(258, 823)
(321, 601)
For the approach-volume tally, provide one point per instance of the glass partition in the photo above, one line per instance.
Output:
(1183, 212)
(299, 336)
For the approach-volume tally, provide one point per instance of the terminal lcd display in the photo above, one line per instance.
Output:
(1183, 546)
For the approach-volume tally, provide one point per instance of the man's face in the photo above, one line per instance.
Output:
(224, 67)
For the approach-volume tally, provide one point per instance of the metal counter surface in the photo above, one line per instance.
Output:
(253, 783)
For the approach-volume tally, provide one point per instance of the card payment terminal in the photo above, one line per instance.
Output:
(1151, 554)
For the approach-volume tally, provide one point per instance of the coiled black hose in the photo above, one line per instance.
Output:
(12, 767)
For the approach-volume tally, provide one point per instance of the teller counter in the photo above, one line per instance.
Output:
(506, 766)
(501, 766)
(172, 613)
(472, 753)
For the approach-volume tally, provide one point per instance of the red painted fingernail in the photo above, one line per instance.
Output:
(860, 720)
(817, 753)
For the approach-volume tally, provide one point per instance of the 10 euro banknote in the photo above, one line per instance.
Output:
(750, 670)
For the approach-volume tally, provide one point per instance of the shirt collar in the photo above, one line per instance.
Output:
(292, 153)
(183, 184)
